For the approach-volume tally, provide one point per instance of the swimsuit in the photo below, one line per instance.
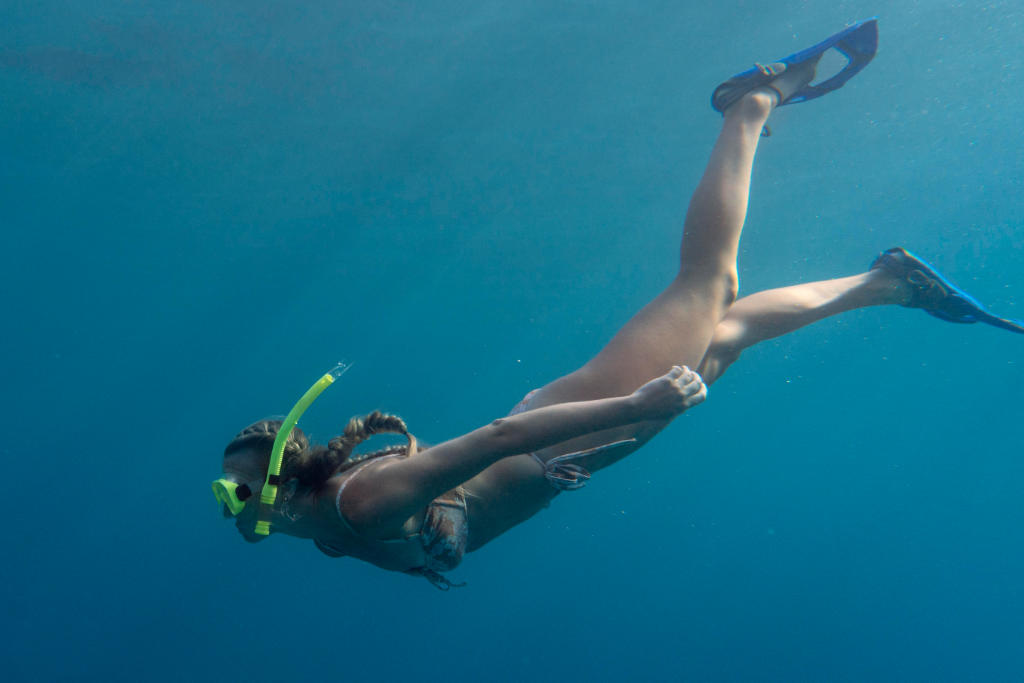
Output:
(438, 545)
(440, 542)
(560, 471)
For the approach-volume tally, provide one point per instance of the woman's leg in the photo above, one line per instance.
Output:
(775, 312)
(676, 327)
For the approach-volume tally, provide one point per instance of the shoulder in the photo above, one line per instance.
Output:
(353, 496)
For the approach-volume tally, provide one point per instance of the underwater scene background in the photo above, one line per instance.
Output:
(206, 205)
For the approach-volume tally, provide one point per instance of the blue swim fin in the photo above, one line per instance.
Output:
(858, 43)
(935, 294)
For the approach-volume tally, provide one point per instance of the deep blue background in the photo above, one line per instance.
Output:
(205, 205)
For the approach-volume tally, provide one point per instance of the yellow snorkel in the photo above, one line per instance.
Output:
(269, 494)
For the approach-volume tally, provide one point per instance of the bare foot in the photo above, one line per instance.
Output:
(887, 287)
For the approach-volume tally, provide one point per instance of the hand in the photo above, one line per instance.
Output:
(670, 394)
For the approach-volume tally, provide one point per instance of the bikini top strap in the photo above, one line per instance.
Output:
(355, 473)
(411, 450)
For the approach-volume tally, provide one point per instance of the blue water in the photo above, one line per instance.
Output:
(205, 205)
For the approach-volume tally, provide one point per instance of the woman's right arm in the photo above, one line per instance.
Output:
(382, 498)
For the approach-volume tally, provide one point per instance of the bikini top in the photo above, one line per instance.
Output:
(435, 544)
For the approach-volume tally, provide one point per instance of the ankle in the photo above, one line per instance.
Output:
(755, 106)
(887, 288)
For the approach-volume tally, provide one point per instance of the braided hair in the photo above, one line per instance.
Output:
(313, 465)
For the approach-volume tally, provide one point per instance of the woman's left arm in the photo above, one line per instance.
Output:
(379, 501)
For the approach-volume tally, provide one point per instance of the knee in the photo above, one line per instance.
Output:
(721, 286)
(730, 287)
(729, 339)
(723, 353)
(716, 361)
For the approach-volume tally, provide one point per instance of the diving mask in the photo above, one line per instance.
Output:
(232, 494)
(235, 496)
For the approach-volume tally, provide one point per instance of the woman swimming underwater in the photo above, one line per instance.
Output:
(419, 510)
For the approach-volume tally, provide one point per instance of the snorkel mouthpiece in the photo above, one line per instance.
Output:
(269, 494)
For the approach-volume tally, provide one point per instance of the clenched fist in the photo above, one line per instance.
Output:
(671, 394)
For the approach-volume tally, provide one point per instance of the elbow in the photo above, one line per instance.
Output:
(505, 436)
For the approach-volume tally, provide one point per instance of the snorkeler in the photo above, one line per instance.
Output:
(418, 511)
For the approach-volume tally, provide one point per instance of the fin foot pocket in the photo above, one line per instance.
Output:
(858, 43)
(933, 293)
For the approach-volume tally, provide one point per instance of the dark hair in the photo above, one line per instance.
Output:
(313, 465)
